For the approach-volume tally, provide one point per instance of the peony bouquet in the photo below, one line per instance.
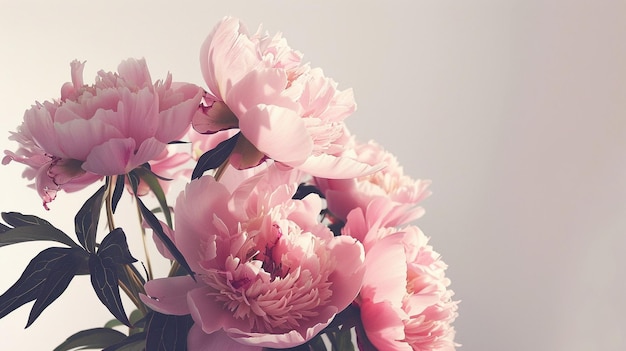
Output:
(289, 234)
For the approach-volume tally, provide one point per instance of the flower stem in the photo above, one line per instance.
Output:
(143, 240)
(131, 291)
(108, 203)
(221, 169)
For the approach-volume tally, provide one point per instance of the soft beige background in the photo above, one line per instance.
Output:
(515, 110)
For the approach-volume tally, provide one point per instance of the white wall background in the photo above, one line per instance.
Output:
(515, 110)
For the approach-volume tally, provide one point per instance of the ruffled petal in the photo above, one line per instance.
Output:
(334, 167)
(277, 132)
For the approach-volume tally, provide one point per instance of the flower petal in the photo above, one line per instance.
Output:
(169, 295)
(197, 340)
(110, 157)
(277, 132)
(334, 167)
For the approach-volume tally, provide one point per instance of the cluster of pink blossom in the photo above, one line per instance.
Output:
(269, 271)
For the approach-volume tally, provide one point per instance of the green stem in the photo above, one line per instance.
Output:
(143, 240)
(221, 169)
(131, 292)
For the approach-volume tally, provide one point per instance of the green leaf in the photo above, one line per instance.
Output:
(17, 219)
(344, 340)
(4, 228)
(118, 191)
(167, 332)
(112, 323)
(158, 229)
(44, 280)
(43, 232)
(135, 342)
(96, 338)
(103, 266)
(153, 182)
(215, 157)
(86, 220)
(317, 343)
(55, 284)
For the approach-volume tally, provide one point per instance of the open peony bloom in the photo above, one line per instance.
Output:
(344, 195)
(269, 274)
(108, 128)
(285, 110)
(405, 301)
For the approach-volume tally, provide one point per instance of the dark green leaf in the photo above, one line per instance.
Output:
(56, 282)
(17, 219)
(304, 190)
(114, 248)
(4, 228)
(215, 157)
(118, 191)
(135, 342)
(86, 220)
(96, 338)
(167, 332)
(317, 343)
(158, 229)
(37, 282)
(104, 282)
(44, 232)
(152, 181)
(133, 179)
(112, 254)
(112, 323)
(344, 340)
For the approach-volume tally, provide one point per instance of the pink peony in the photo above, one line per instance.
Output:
(108, 128)
(269, 274)
(405, 304)
(285, 110)
(344, 195)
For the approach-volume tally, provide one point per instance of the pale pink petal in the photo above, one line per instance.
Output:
(140, 111)
(77, 137)
(174, 122)
(197, 340)
(206, 312)
(285, 340)
(135, 72)
(227, 55)
(110, 157)
(348, 278)
(149, 149)
(277, 132)
(195, 209)
(260, 87)
(169, 295)
(39, 122)
(386, 272)
(334, 167)
(383, 326)
(70, 89)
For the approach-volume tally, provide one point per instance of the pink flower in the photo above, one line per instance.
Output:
(344, 195)
(269, 274)
(285, 110)
(108, 128)
(404, 301)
